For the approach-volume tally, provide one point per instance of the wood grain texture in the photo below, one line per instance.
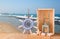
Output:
(41, 13)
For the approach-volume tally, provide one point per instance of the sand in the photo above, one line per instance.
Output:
(25, 36)
(7, 31)
(7, 28)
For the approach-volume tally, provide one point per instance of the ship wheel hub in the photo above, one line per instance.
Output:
(27, 24)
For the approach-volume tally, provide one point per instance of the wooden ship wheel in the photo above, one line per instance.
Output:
(28, 26)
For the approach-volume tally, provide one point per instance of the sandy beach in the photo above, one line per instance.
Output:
(7, 28)
(7, 31)
(25, 36)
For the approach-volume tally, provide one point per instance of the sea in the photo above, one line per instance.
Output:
(8, 18)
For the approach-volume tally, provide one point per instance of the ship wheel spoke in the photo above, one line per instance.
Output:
(20, 26)
(35, 21)
(20, 20)
(35, 27)
(30, 31)
(27, 32)
(24, 31)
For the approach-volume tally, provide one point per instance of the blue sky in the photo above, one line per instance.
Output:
(21, 6)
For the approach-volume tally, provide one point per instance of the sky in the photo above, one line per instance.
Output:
(22, 6)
